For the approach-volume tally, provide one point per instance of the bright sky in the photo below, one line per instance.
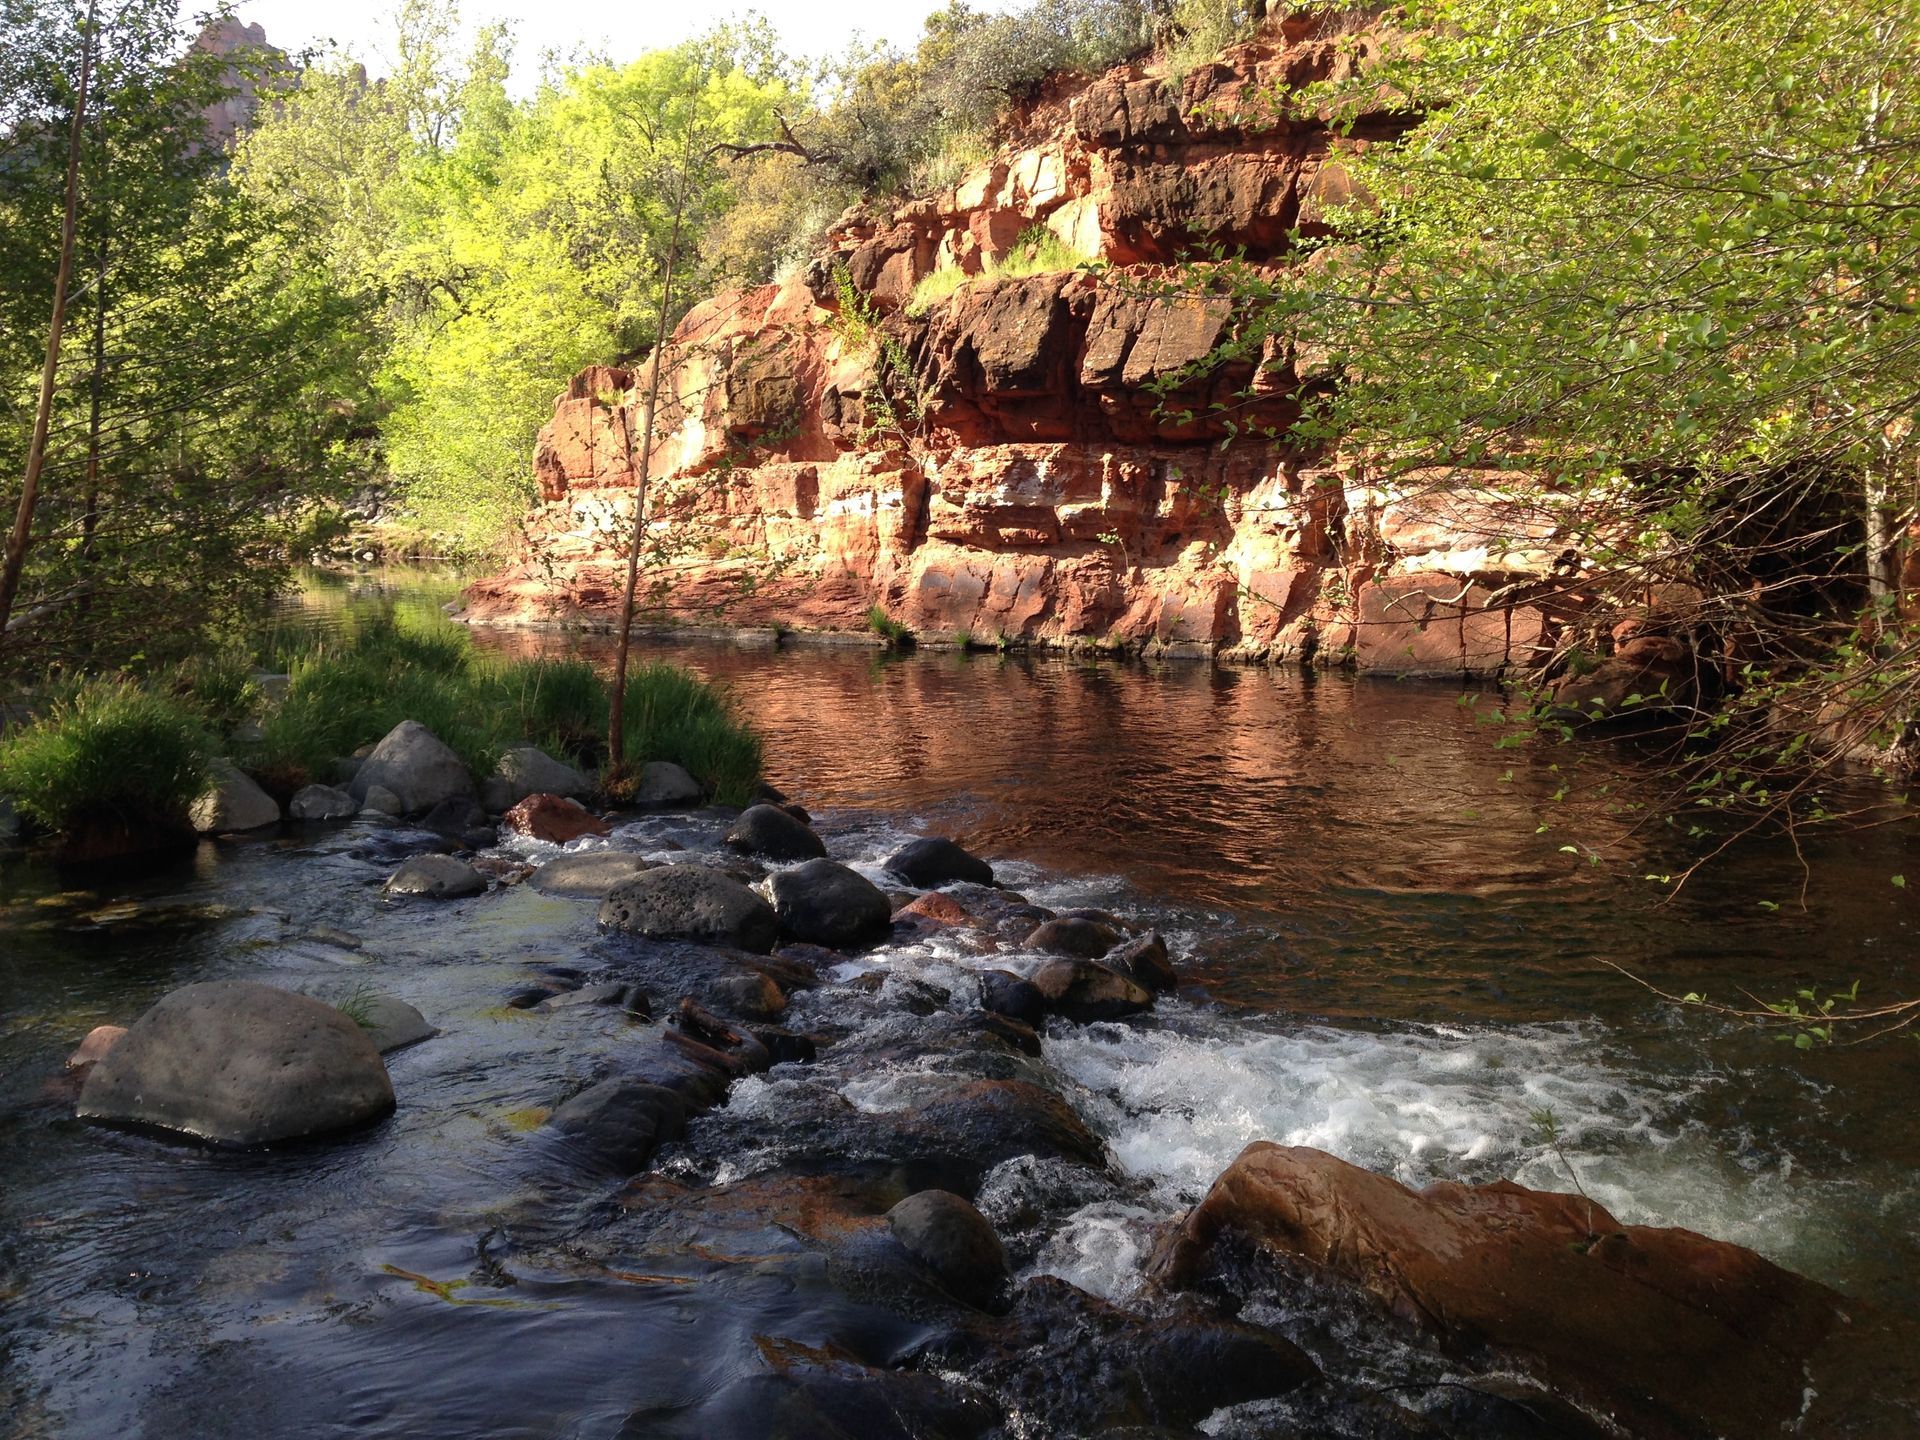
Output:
(620, 29)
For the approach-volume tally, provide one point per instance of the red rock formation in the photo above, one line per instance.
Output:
(1027, 460)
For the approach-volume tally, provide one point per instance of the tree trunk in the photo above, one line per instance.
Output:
(617, 706)
(22, 534)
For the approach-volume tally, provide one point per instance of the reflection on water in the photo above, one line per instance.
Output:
(1396, 962)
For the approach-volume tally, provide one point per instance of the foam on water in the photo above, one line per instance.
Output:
(1177, 1103)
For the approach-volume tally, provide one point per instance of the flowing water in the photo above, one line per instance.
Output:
(1386, 953)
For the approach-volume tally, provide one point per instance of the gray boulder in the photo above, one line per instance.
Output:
(953, 1240)
(691, 902)
(591, 874)
(527, 770)
(238, 1063)
(436, 877)
(416, 766)
(770, 831)
(665, 786)
(391, 1023)
(233, 802)
(382, 801)
(824, 903)
(937, 861)
(322, 802)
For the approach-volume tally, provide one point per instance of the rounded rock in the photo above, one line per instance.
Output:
(936, 861)
(953, 1240)
(322, 802)
(691, 902)
(770, 831)
(238, 1063)
(824, 903)
(414, 765)
(436, 877)
(1086, 939)
(590, 874)
(666, 786)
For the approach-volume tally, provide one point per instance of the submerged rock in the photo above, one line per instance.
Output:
(233, 803)
(953, 1240)
(824, 903)
(461, 820)
(554, 819)
(937, 861)
(770, 831)
(436, 877)
(619, 1123)
(416, 767)
(690, 902)
(590, 874)
(322, 802)
(1666, 1331)
(238, 1063)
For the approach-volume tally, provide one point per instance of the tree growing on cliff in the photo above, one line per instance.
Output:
(1649, 270)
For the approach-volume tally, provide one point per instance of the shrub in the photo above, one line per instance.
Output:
(1038, 251)
(107, 754)
(672, 714)
(220, 687)
(1201, 29)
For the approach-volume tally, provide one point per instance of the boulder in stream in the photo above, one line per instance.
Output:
(955, 1241)
(936, 861)
(618, 1124)
(1669, 1333)
(824, 903)
(436, 877)
(416, 767)
(1069, 935)
(238, 1063)
(769, 831)
(691, 902)
(554, 819)
(1085, 991)
(233, 803)
(590, 874)
(664, 785)
(390, 1022)
(525, 770)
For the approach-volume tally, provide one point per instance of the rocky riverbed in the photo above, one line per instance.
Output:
(743, 1124)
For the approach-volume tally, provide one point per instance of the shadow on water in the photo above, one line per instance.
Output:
(1389, 957)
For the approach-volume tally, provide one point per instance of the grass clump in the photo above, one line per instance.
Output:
(672, 714)
(108, 754)
(888, 629)
(1038, 251)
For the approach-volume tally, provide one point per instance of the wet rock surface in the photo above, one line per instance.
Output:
(591, 874)
(825, 903)
(241, 1064)
(770, 832)
(690, 902)
(937, 861)
(436, 877)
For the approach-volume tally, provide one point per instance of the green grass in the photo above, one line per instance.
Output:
(888, 629)
(1038, 251)
(219, 687)
(671, 714)
(108, 752)
(351, 690)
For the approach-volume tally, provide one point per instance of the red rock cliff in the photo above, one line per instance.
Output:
(1056, 481)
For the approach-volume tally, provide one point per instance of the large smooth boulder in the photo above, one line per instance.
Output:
(232, 802)
(953, 1240)
(554, 819)
(414, 765)
(1143, 960)
(525, 770)
(1071, 935)
(322, 802)
(590, 874)
(769, 831)
(691, 902)
(1669, 1333)
(666, 786)
(239, 1063)
(937, 861)
(436, 877)
(824, 903)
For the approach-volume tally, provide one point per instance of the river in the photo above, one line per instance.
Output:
(1387, 951)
